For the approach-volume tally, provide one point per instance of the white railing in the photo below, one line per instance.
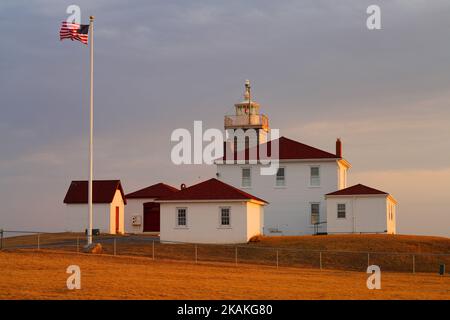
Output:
(253, 120)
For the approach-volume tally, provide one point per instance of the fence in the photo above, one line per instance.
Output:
(151, 247)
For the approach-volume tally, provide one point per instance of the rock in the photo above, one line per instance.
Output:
(255, 238)
(95, 248)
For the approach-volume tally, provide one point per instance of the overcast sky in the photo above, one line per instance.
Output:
(316, 70)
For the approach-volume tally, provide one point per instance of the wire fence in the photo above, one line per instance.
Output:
(151, 247)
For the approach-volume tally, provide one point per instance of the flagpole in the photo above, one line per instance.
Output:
(91, 124)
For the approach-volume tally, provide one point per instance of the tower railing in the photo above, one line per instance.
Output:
(247, 120)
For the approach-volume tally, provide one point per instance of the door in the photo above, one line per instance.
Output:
(117, 220)
(151, 217)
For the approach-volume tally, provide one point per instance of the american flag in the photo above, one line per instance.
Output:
(74, 31)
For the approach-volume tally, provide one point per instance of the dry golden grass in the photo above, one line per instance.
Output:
(364, 242)
(28, 274)
(47, 238)
(345, 242)
(342, 252)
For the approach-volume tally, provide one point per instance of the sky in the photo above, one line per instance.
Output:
(315, 68)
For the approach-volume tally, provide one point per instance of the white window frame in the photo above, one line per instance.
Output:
(242, 177)
(337, 211)
(310, 176)
(224, 226)
(284, 180)
(177, 225)
(311, 213)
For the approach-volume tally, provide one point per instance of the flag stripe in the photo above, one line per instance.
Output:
(74, 31)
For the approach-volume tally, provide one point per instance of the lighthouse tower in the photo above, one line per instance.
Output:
(247, 117)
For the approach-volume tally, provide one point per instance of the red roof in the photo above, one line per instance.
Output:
(358, 189)
(290, 150)
(211, 189)
(154, 191)
(103, 191)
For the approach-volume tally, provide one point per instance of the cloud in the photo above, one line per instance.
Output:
(159, 65)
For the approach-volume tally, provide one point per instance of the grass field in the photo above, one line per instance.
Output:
(27, 274)
(398, 253)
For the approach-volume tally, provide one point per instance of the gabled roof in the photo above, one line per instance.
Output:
(358, 189)
(154, 191)
(289, 150)
(211, 189)
(103, 191)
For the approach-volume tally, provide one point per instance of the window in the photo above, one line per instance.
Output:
(341, 210)
(315, 213)
(181, 217)
(224, 217)
(246, 177)
(281, 177)
(315, 177)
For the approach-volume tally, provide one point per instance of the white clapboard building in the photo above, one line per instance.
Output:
(361, 209)
(108, 203)
(297, 192)
(211, 212)
(142, 213)
(308, 194)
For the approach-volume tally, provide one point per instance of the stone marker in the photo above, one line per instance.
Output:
(95, 248)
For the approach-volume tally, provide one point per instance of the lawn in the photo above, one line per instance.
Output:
(28, 274)
(398, 253)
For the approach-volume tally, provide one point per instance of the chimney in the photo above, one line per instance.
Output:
(339, 148)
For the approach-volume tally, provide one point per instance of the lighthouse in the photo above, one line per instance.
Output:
(247, 120)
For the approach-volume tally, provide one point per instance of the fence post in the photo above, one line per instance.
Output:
(1, 239)
(196, 254)
(153, 250)
(320, 258)
(414, 263)
(78, 244)
(277, 260)
(38, 241)
(114, 246)
(235, 256)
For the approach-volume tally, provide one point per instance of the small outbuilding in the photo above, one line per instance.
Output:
(108, 202)
(142, 213)
(361, 209)
(211, 212)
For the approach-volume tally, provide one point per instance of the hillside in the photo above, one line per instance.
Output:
(364, 242)
(344, 252)
(42, 275)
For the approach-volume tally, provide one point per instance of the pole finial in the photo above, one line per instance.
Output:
(247, 90)
(91, 18)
